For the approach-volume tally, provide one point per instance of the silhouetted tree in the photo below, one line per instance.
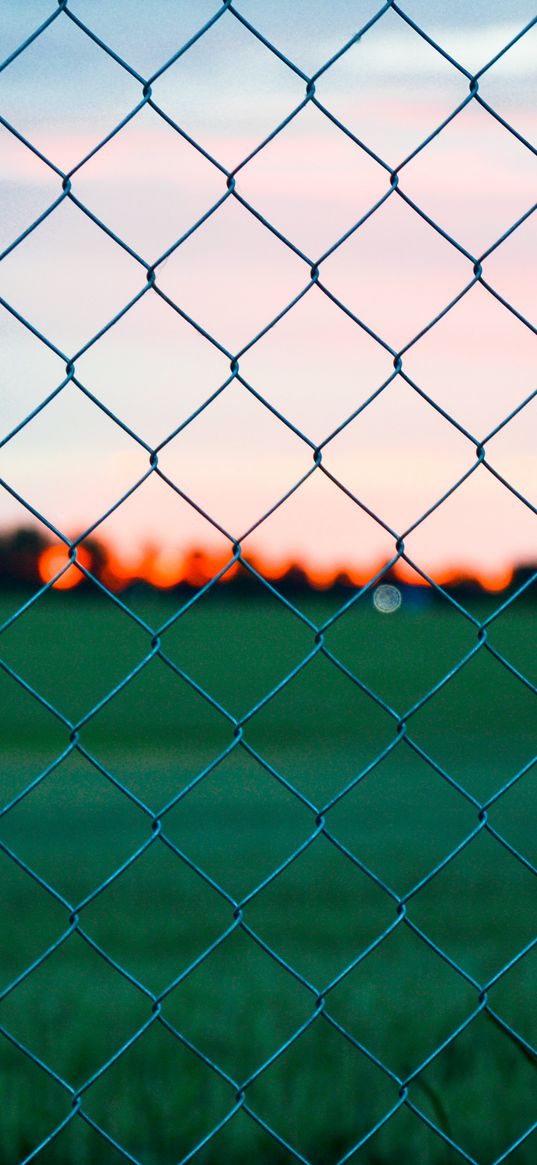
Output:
(19, 556)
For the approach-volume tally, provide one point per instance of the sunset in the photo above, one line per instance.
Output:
(165, 570)
(298, 386)
(268, 556)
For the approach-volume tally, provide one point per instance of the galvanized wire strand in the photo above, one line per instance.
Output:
(317, 460)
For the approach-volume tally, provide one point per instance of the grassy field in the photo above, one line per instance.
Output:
(238, 825)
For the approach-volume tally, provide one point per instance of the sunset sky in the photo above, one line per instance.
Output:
(232, 277)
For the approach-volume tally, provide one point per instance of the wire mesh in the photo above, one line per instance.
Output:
(316, 462)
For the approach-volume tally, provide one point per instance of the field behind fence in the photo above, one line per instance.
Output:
(268, 852)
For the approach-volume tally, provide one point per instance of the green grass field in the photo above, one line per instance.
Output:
(238, 825)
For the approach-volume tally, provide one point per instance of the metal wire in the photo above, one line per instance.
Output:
(402, 720)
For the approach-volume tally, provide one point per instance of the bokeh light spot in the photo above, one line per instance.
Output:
(387, 599)
(54, 559)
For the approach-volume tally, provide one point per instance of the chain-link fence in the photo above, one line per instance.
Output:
(402, 1091)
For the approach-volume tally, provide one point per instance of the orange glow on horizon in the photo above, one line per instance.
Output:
(492, 580)
(496, 580)
(54, 558)
(165, 568)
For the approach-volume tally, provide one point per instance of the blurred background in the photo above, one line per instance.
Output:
(267, 846)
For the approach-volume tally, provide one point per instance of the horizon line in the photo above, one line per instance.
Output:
(26, 554)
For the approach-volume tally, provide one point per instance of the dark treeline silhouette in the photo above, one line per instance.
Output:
(24, 564)
(19, 557)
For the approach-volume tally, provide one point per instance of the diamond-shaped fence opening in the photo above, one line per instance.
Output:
(267, 857)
